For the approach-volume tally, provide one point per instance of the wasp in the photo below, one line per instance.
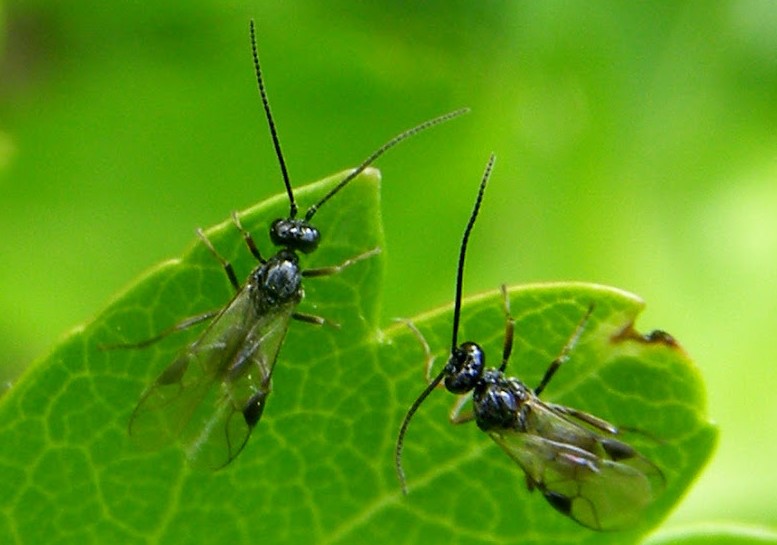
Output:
(215, 391)
(572, 458)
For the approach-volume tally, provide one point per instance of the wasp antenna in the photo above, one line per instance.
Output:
(463, 252)
(456, 313)
(380, 151)
(406, 422)
(271, 123)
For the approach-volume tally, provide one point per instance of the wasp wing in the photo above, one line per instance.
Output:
(598, 481)
(213, 394)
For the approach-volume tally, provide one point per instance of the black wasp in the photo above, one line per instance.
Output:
(214, 393)
(570, 456)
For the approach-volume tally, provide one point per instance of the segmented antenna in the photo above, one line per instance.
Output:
(463, 252)
(271, 123)
(406, 422)
(380, 151)
(456, 312)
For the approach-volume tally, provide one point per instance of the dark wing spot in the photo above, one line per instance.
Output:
(254, 409)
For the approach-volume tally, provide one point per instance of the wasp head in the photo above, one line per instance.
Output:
(464, 368)
(296, 235)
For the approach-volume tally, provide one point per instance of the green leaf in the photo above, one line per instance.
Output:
(319, 467)
(67, 469)
(715, 534)
(461, 484)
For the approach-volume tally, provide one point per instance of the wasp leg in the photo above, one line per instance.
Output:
(565, 351)
(432, 383)
(315, 320)
(326, 271)
(180, 326)
(424, 346)
(429, 365)
(336, 269)
(249, 240)
(226, 265)
(595, 421)
(457, 414)
(507, 348)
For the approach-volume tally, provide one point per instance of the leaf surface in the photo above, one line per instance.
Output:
(319, 466)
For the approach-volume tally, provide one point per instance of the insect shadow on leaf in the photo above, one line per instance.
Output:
(571, 457)
(214, 392)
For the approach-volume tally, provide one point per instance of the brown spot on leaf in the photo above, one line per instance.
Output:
(656, 336)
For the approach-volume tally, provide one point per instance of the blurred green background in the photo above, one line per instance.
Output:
(636, 147)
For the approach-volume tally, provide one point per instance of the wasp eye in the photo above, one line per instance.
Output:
(296, 235)
(466, 364)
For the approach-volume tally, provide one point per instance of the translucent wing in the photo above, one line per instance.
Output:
(213, 394)
(596, 480)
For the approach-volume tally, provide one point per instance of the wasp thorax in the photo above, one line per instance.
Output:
(465, 366)
(497, 401)
(279, 280)
(297, 235)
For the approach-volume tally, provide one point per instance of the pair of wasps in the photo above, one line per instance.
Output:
(571, 457)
